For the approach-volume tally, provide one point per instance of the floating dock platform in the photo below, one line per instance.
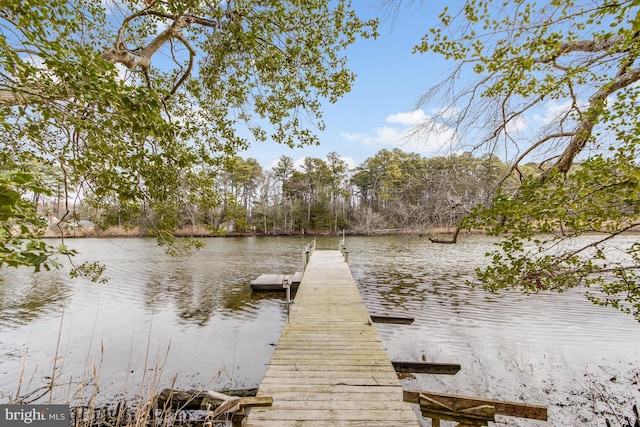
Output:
(273, 282)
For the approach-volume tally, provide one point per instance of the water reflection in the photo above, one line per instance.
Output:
(193, 300)
(25, 297)
(428, 281)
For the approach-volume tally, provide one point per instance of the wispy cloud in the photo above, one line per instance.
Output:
(413, 131)
(553, 111)
(412, 118)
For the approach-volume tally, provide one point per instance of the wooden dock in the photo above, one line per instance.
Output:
(330, 367)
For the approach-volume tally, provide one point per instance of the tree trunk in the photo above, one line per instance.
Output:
(454, 239)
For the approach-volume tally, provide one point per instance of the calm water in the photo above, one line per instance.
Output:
(192, 322)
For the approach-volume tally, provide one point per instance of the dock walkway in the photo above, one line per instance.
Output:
(330, 367)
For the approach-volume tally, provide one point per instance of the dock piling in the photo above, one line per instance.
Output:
(287, 286)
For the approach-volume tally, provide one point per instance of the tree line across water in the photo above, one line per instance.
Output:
(390, 191)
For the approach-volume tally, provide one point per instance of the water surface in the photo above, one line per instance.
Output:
(192, 322)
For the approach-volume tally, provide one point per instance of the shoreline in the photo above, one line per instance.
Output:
(202, 232)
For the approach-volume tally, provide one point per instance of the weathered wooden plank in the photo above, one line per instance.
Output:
(321, 339)
(511, 409)
(336, 338)
(195, 399)
(426, 367)
(304, 344)
(392, 319)
(352, 403)
(341, 335)
(306, 367)
(273, 282)
(306, 324)
(336, 414)
(295, 397)
(356, 362)
(307, 355)
(341, 388)
(296, 277)
(333, 373)
(325, 380)
(323, 423)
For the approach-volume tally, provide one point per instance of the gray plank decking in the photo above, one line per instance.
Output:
(273, 282)
(330, 367)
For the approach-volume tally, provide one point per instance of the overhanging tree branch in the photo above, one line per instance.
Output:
(119, 53)
(584, 130)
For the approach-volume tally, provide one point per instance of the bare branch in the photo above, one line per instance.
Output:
(533, 146)
(596, 243)
(187, 72)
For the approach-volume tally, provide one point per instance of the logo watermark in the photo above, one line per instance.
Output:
(34, 415)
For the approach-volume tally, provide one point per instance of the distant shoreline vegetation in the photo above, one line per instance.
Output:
(203, 232)
(393, 190)
(200, 231)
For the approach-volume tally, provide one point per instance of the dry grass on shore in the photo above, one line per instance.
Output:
(138, 406)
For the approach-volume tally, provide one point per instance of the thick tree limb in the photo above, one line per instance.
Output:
(598, 45)
(192, 55)
(142, 57)
(584, 130)
(120, 54)
(24, 96)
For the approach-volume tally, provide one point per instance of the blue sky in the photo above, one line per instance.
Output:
(382, 103)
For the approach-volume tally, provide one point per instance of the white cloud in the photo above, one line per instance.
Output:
(553, 111)
(385, 135)
(351, 164)
(299, 163)
(412, 131)
(412, 118)
(351, 136)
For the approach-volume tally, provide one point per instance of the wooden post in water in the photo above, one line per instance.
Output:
(343, 249)
(287, 286)
(305, 258)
